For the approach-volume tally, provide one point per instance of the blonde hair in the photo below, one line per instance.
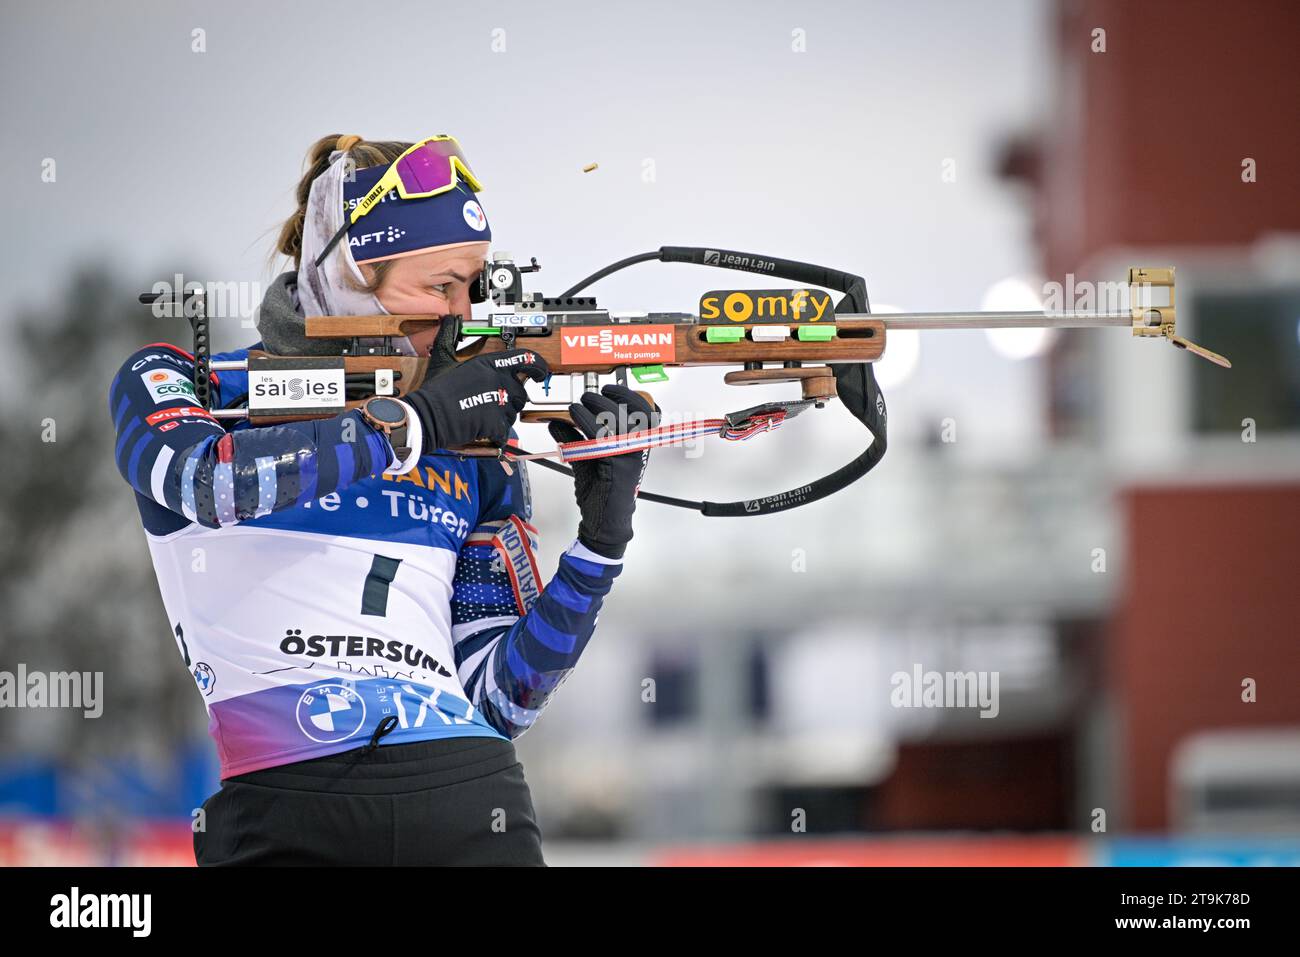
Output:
(318, 160)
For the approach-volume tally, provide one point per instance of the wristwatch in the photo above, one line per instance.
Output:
(388, 416)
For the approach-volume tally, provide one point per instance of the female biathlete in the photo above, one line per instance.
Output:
(361, 610)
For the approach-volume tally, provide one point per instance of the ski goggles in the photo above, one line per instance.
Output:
(428, 168)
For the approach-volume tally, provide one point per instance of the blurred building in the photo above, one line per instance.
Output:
(1130, 580)
(1171, 144)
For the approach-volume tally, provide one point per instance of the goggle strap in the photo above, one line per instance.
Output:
(334, 241)
(460, 172)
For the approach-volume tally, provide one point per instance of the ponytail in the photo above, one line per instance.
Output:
(318, 160)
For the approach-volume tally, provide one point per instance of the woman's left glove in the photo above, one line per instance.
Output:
(606, 488)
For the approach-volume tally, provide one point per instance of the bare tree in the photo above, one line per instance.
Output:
(76, 585)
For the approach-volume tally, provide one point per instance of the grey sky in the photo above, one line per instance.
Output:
(172, 159)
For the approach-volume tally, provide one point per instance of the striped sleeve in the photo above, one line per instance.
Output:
(516, 642)
(172, 451)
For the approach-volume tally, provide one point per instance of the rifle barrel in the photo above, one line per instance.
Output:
(998, 320)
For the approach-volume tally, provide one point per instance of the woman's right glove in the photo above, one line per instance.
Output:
(478, 399)
(606, 488)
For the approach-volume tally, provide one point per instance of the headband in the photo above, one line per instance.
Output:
(403, 227)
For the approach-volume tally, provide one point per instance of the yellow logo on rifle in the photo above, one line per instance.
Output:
(766, 305)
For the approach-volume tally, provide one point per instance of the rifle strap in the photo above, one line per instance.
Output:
(680, 433)
(855, 382)
(856, 386)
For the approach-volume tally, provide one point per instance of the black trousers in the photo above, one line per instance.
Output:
(455, 801)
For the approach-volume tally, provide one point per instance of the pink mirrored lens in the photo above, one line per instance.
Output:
(428, 168)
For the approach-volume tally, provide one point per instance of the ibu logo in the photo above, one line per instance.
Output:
(330, 712)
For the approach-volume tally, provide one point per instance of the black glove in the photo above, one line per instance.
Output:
(606, 488)
(442, 351)
(478, 399)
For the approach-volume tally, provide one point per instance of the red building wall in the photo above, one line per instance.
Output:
(1145, 142)
(1211, 597)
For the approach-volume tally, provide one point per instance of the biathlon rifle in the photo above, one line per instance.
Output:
(779, 335)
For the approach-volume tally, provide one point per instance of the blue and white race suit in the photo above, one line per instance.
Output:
(312, 594)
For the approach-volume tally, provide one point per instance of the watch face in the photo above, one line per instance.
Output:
(386, 411)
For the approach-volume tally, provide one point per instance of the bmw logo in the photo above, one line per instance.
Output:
(330, 712)
(204, 677)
